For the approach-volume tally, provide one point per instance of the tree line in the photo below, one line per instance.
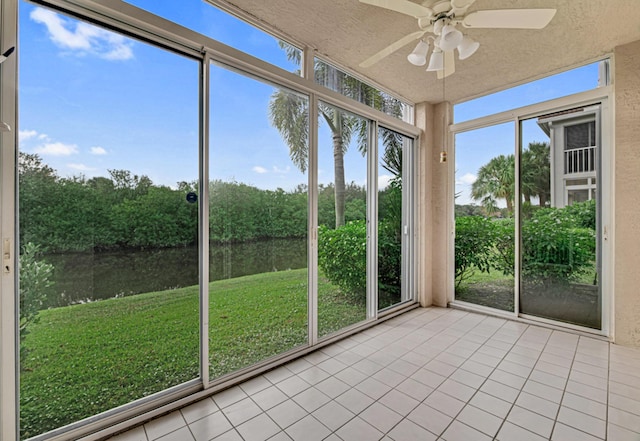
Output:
(124, 210)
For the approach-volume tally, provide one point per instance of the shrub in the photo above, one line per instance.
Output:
(389, 258)
(342, 256)
(555, 245)
(35, 281)
(475, 236)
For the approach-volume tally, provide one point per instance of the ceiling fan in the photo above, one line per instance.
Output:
(440, 18)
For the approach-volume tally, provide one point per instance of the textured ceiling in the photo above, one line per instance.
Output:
(348, 32)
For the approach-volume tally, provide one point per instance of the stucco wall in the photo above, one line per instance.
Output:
(627, 195)
(433, 217)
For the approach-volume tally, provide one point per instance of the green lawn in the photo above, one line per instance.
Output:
(84, 359)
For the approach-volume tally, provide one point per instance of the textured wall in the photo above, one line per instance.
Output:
(627, 195)
(434, 219)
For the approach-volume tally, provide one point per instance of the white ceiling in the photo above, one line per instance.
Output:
(348, 32)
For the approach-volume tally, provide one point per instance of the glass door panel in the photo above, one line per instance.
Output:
(393, 226)
(108, 150)
(484, 215)
(342, 219)
(258, 221)
(559, 211)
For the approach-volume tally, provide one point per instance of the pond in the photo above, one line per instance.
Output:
(87, 277)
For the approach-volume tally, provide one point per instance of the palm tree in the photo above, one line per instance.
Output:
(289, 113)
(536, 171)
(496, 180)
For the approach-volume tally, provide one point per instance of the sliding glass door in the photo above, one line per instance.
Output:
(528, 217)
(343, 146)
(560, 163)
(485, 207)
(108, 153)
(394, 218)
(258, 221)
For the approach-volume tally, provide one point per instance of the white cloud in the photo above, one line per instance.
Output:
(57, 149)
(276, 169)
(80, 167)
(24, 135)
(383, 181)
(467, 178)
(83, 38)
(98, 151)
(259, 169)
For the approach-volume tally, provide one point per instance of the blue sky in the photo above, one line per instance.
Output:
(92, 100)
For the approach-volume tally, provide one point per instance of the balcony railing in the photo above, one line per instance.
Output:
(580, 160)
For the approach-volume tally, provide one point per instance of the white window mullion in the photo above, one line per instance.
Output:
(9, 352)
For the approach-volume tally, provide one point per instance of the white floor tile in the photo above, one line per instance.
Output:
(199, 410)
(431, 374)
(399, 402)
(444, 403)
(308, 429)
(380, 417)
(182, 434)
(210, 426)
(286, 413)
(562, 432)
(357, 430)
(269, 397)
(260, 428)
(409, 431)
(458, 431)
(164, 425)
(480, 420)
(538, 405)
(311, 399)
(241, 411)
(333, 415)
(585, 405)
(582, 421)
(355, 401)
(617, 433)
(531, 421)
(511, 432)
(431, 419)
(491, 404)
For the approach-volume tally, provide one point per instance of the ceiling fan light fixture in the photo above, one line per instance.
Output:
(436, 62)
(419, 55)
(467, 47)
(450, 38)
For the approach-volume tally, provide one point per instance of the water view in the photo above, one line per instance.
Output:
(87, 277)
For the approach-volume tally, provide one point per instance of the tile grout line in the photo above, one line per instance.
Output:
(495, 437)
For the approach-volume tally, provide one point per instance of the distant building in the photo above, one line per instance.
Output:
(574, 139)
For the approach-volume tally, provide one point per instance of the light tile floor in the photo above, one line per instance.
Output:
(430, 374)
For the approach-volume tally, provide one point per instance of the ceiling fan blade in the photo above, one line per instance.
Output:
(509, 18)
(402, 6)
(391, 48)
(449, 65)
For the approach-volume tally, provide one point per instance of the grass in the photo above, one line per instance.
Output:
(85, 359)
(496, 290)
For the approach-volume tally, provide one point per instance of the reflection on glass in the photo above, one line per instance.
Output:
(102, 189)
(205, 18)
(484, 213)
(335, 79)
(559, 268)
(257, 221)
(565, 83)
(342, 211)
(391, 218)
